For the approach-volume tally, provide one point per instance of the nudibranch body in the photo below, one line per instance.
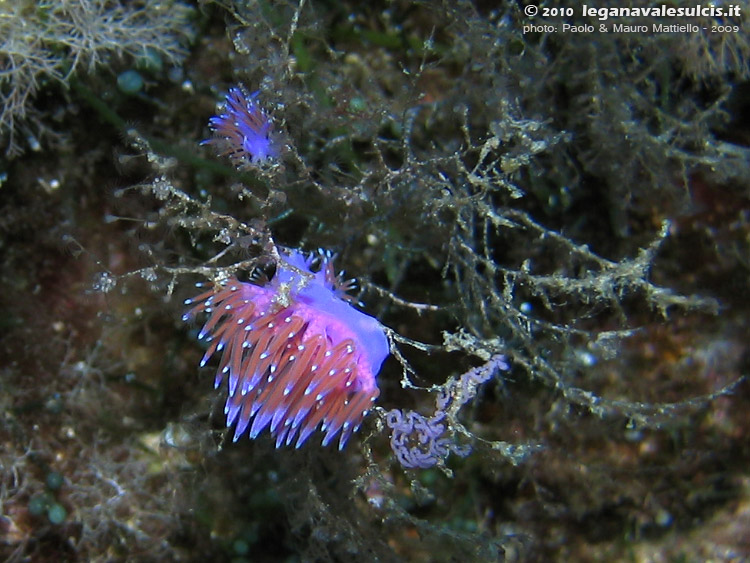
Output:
(243, 130)
(296, 354)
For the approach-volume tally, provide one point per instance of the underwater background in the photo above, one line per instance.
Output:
(553, 228)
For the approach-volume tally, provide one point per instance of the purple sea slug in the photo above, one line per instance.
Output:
(296, 353)
(243, 130)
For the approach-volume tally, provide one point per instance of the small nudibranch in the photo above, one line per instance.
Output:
(242, 130)
(296, 353)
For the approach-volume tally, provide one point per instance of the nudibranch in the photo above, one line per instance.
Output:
(243, 130)
(296, 353)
